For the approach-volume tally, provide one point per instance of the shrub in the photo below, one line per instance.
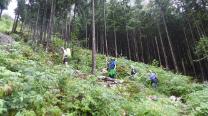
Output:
(26, 113)
(2, 107)
(16, 37)
(198, 101)
(89, 99)
(53, 111)
(57, 42)
(122, 71)
(173, 84)
(155, 63)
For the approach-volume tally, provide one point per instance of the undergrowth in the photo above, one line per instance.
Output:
(31, 85)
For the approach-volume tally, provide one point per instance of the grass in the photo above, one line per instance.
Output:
(42, 88)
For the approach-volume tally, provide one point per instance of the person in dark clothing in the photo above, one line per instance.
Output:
(133, 72)
(154, 80)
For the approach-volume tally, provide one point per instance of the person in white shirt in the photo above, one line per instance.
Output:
(64, 56)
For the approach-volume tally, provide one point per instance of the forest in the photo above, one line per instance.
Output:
(165, 31)
(169, 37)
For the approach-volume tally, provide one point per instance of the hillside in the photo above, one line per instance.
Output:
(35, 83)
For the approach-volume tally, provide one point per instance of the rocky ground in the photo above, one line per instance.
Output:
(5, 39)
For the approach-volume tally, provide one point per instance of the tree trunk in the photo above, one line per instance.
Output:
(115, 41)
(141, 45)
(93, 40)
(50, 27)
(102, 42)
(199, 32)
(163, 47)
(97, 42)
(72, 19)
(69, 32)
(31, 30)
(36, 25)
(128, 43)
(189, 52)
(21, 28)
(32, 34)
(135, 45)
(154, 48)
(43, 27)
(45, 35)
(158, 51)
(115, 38)
(190, 28)
(14, 28)
(105, 32)
(203, 30)
(184, 68)
(86, 36)
(149, 52)
(169, 41)
(192, 35)
(41, 34)
(65, 32)
(1, 12)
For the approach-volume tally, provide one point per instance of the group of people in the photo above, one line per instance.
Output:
(112, 73)
(111, 68)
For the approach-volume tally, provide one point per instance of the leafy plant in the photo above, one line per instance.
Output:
(41, 88)
(155, 63)
(198, 101)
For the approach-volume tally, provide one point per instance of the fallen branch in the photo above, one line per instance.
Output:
(201, 59)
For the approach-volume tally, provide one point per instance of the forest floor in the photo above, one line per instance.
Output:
(33, 82)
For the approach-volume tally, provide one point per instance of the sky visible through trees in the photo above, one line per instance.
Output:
(13, 5)
(11, 8)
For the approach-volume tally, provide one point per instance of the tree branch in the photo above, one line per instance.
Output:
(201, 59)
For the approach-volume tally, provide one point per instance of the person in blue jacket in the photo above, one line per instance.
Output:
(154, 80)
(112, 68)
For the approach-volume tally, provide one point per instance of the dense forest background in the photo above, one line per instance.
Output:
(162, 32)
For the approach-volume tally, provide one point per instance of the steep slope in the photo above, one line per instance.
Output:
(32, 84)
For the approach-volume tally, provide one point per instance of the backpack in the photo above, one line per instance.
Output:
(68, 52)
(153, 77)
(112, 64)
(133, 71)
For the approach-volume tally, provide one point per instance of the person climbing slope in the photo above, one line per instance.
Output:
(153, 78)
(66, 53)
(112, 68)
(133, 72)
